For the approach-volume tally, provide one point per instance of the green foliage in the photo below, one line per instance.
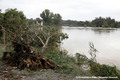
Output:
(49, 18)
(57, 20)
(97, 69)
(46, 31)
(31, 22)
(105, 24)
(66, 64)
(71, 23)
(101, 70)
(97, 22)
(81, 59)
(14, 23)
(62, 60)
(105, 71)
(58, 57)
(14, 20)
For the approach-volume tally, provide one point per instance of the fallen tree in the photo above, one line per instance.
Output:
(24, 57)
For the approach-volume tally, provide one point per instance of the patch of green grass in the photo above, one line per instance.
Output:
(67, 64)
(105, 71)
(72, 66)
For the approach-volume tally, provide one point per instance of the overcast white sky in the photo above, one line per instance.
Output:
(69, 9)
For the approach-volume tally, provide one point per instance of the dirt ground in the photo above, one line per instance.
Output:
(10, 73)
(47, 75)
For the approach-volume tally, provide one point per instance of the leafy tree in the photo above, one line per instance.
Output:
(50, 19)
(98, 22)
(47, 17)
(118, 25)
(45, 36)
(31, 21)
(57, 19)
(105, 24)
(14, 22)
(13, 19)
(87, 23)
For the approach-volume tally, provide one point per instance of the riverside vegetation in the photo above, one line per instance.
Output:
(97, 22)
(27, 41)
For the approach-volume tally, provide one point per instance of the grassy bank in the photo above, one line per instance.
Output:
(80, 65)
(67, 64)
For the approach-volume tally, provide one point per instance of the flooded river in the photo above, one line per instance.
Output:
(106, 41)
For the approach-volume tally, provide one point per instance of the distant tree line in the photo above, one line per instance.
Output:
(97, 22)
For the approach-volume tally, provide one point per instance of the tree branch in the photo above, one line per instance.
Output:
(40, 39)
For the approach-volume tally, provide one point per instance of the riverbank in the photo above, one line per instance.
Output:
(68, 68)
(80, 65)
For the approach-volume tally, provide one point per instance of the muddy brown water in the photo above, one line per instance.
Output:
(106, 41)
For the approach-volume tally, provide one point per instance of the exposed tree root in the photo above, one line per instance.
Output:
(24, 58)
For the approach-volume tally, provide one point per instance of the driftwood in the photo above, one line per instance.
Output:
(24, 57)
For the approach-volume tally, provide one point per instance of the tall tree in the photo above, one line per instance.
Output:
(105, 24)
(47, 17)
(98, 22)
(57, 19)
